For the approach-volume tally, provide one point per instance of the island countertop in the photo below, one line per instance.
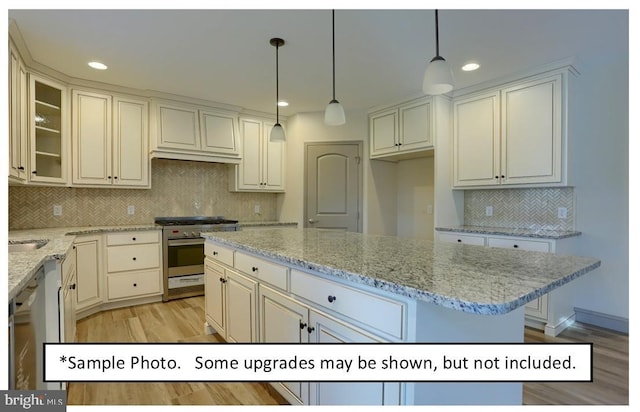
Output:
(468, 278)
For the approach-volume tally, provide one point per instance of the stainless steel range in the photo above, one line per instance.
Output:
(183, 252)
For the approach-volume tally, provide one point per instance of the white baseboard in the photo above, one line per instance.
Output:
(602, 320)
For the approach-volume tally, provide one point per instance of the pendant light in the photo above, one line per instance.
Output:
(277, 132)
(438, 78)
(334, 113)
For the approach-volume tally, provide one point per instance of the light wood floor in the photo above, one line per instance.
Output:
(182, 321)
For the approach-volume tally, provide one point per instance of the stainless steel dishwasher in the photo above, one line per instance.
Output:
(26, 334)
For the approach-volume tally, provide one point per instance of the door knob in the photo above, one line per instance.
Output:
(312, 221)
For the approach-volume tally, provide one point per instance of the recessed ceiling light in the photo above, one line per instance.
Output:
(471, 66)
(282, 103)
(98, 65)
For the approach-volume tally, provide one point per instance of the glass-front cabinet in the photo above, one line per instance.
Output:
(48, 131)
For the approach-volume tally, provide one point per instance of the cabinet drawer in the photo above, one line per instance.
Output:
(133, 238)
(124, 258)
(219, 253)
(458, 238)
(128, 285)
(268, 272)
(376, 311)
(531, 245)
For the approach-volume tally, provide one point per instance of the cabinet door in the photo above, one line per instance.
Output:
(532, 132)
(283, 320)
(476, 141)
(383, 132)
(250, 169)
(178, 127)
(218, 133)
(130, 143)
(214, 298)
(18, 117)
(273, 160)
(69, 309)
(415, 126)
(91, 134)
(49, 135)
(329, 330)
(240, 299)
(89, 272)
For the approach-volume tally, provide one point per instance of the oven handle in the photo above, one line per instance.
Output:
(185, 242)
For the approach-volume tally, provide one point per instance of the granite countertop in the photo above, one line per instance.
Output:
(22, 266)
(474, 279)
(504, 231)
(266, 224)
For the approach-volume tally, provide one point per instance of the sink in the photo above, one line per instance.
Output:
(25, 246)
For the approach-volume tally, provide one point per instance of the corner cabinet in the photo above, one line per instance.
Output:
(18, 117)
(191, 132)
(109, 140)
(552, 312)
(401, 130)
(262, 168)
(48, 131)
(512, 136)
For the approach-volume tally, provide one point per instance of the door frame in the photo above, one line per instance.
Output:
(360, 181)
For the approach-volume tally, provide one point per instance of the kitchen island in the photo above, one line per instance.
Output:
(437, 292)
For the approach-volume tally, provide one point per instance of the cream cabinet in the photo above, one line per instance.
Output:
(511, 136)
(89, 272)
(133, 265)
(192, 132)
(49, 133)
(230, 303)
(109, 140)
(552, 312)
(262, 167)
(18, 117)
(69, 296)
(401, 130)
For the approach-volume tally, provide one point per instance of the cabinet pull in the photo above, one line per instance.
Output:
(34, 172)
(254, 269)
(331, 298)
(20, 167)
(302, 325)
(310, 329)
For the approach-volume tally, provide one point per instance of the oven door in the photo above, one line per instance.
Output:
(185, 257)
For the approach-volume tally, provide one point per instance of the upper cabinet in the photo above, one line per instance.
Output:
(514, 135)
(191, 132)
(48, 131)
(18, 117)
(401, 131)
(263, 162)
(109, 140)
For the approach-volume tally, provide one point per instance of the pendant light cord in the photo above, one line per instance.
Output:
(437, 37)
(277, 88)
(333, 42)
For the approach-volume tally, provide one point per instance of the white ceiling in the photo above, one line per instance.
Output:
(381, 55)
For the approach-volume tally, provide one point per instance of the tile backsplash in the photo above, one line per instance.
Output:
(178, 188)
(520, 208)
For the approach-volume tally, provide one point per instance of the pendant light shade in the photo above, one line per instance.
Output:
(277, 132)
(334, 113)
(438, 78)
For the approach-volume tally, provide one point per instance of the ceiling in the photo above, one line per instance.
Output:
(225, 55)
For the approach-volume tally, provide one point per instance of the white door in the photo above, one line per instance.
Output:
(214, 298)
(240, 300)
(333, 183)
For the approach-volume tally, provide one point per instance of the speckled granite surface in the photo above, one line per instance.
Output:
(474, 279)
(22, 266)
(503, 231)
(248, 225)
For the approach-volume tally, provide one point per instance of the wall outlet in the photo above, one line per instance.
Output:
(131, 210)
(256, 209)
(488, 211)
(429, 209)
(57, 210)
(562, 213)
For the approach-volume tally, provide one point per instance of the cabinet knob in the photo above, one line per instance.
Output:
(133, 238)
(115, 177)
(459, 240)
(497, 177)
(515, 246)
(135, 285)
(331, 298)
(302, 325)
(215, 253)
(20, 167)
(34, 172)
(310, 329)
(254, 269)
(399, 144)
(109, 177)
(502, 176)
(134, 258)
(221, 279)
(72, 287)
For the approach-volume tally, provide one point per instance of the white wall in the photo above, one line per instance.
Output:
(415, 198)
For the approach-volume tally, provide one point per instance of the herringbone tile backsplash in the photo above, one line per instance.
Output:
(178, 188)
(520, 208)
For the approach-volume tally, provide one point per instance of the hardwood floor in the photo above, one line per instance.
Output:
(182, 321)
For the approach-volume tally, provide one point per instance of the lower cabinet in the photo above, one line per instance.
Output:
(69, 297)
(230, 303)
(89, 268)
